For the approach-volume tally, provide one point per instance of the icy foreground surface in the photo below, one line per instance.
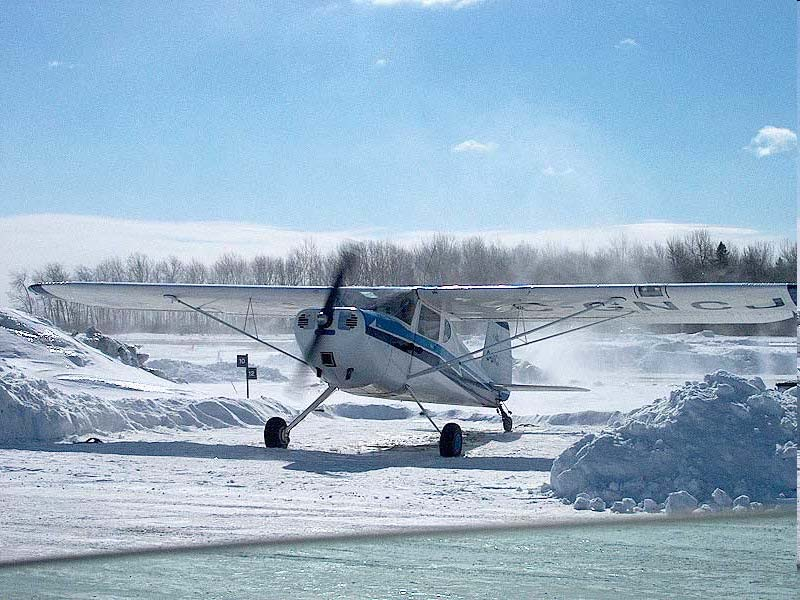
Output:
(730, 558)
(724, 432)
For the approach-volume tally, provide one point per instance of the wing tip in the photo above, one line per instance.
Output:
(38, 288)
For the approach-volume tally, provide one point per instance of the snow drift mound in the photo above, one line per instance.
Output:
(33, 410)
(128, 355)
(377, 412)
(28, 337)
(724, 432)
(189, 372)
(54, 385)
(24, 336)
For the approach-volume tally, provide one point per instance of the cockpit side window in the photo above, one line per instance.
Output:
(428, 323)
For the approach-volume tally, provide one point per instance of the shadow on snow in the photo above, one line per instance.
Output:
(425, 456)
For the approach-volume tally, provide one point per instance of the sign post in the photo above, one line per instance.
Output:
(252, 373)
(242, 361)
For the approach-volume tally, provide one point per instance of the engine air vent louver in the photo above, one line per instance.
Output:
(302, 321)
(351, 322)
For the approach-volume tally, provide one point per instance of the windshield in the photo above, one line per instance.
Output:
(401, 307)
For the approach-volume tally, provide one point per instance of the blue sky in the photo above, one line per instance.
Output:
(393, 115)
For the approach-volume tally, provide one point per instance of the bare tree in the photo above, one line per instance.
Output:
(308, 264)
(195, 272)
(19, 295)
(169, 270)
(110, 269)
(437, 259)
(139, 267)
(267, 270)
(231, 268)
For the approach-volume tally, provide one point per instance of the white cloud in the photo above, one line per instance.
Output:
(626, 43)
(551, 171)
(57, 64)
(424, 3)
(30, 241)
(475, 146)
(646, 232)
(381, 62)
(772, 140)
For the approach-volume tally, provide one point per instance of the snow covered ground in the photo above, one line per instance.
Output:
(184, 463)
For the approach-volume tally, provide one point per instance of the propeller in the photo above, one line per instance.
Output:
(347, 260)
(325, 316)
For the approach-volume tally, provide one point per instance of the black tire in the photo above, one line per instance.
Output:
(275, 435)
(450, 441)
(507, 423)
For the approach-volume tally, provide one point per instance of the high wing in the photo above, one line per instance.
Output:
(260, 300)
(648, 303)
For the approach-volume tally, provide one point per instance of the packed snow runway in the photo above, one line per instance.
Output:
(165, 489)
(184, 463)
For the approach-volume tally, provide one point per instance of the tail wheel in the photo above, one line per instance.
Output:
(275, 434)
(450, 441)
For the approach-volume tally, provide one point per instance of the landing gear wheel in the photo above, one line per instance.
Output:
(275, 434)
(450, 441)
(505, 415)
(507, 422)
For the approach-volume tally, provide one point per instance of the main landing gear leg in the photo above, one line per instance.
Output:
(276, 431)
(506, 416)
(450, 437)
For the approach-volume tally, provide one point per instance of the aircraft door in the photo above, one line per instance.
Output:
(405, 309)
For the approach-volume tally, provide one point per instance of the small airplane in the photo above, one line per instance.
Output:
(399, 342)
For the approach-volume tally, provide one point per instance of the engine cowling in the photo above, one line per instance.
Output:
(344, 356)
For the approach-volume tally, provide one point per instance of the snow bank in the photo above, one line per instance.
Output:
(724, 432)
(583, 417)
(111, 347)
(54, 385)
(25, 336)
(377, 412)
(188, 372)
(33, 410)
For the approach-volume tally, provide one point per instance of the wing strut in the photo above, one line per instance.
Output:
(464, 357)
(242, 331)
(424, 411)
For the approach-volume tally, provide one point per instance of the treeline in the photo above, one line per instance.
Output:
(441, 259)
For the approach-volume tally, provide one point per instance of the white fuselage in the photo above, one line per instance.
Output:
(370, 353)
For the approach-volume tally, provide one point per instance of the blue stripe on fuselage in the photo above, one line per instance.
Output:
(405, 338)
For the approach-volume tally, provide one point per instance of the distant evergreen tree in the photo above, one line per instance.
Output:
(723, 256)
